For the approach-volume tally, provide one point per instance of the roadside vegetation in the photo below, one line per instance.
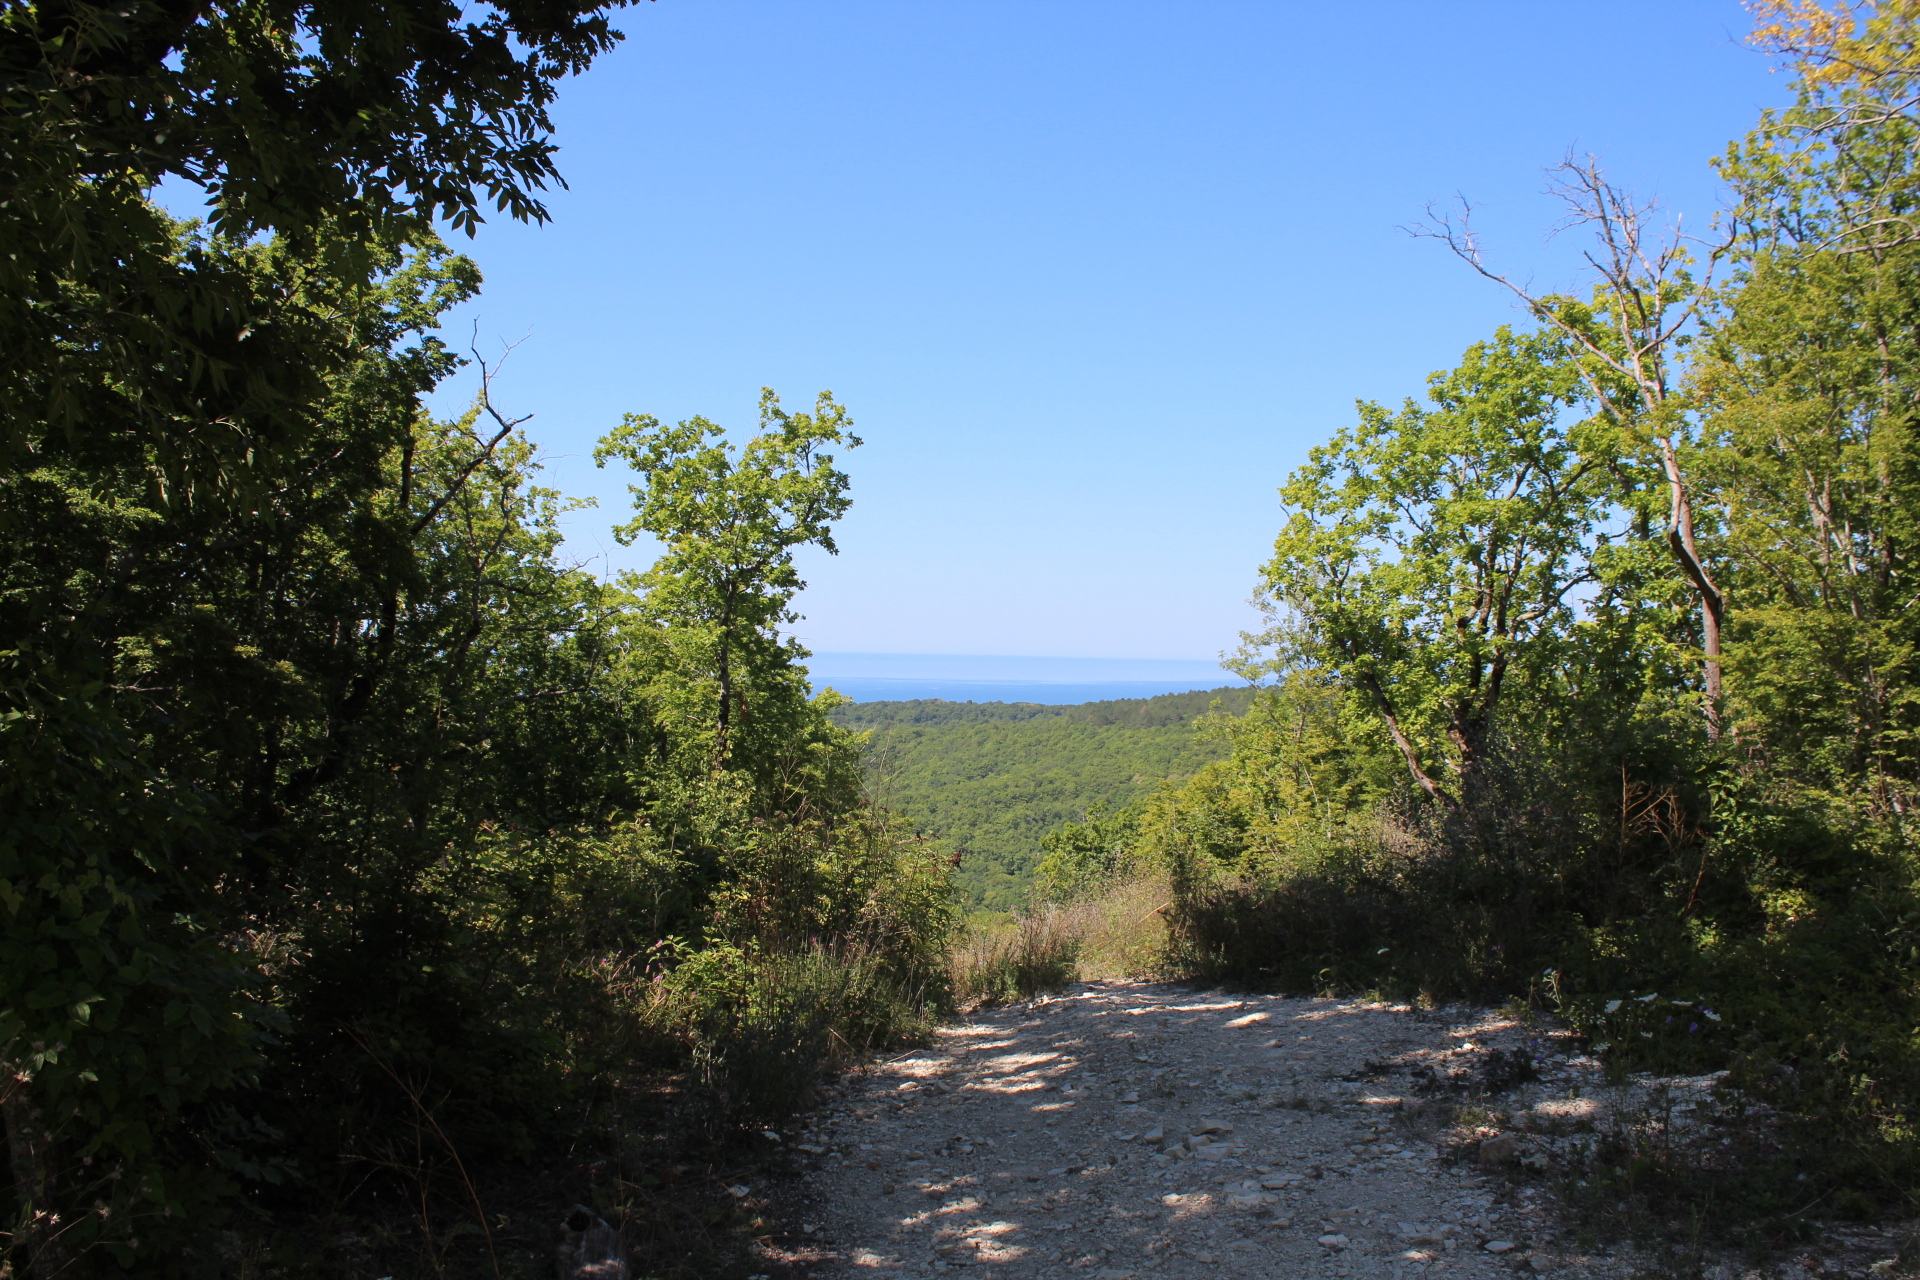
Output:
(1591, 681)
(376, 884)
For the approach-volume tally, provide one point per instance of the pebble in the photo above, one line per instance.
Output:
(1086, 1180)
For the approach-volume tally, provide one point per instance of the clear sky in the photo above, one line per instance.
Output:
(1092, 275)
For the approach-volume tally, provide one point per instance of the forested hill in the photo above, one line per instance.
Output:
(991, 778)
(1137, 713)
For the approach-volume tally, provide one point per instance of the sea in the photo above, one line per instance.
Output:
(899, 677)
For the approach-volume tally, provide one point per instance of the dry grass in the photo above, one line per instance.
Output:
(1123, 930)
(1119, 933)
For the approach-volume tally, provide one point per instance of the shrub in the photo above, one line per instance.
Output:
(765, 1029)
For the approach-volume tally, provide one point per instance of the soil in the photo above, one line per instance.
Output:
(1130, 1129)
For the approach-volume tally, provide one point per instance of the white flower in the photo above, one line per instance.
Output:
(1648, 998)
(1613, 1006)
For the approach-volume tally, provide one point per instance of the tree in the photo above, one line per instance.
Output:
(730, 525)
(1433, 555)
(346, 127)
(1809, 386)
(1629, 339)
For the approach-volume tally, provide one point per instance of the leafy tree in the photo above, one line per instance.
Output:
(204, 591)
(1435, 557)
(344, 127)
(1809, 387)
(1629, 340)
(730, 526)
(154, 698)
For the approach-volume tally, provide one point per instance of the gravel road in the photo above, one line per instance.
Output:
(1136, 1129)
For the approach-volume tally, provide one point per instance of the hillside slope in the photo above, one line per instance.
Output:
(991, 778)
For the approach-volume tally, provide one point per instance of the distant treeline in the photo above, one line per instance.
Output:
(990, 779)
(1138, 713)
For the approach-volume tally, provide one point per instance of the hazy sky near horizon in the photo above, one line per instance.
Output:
(1092, 275)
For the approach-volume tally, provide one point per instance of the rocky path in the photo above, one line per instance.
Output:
(1135, 1129)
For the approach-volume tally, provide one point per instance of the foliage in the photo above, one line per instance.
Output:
(1433, 557)
(730, 528)
(1081, 858)
(990, 780)
(349, 806)
(1596, 674)
(340, 807)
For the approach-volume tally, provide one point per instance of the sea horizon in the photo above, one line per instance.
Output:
(903, 677)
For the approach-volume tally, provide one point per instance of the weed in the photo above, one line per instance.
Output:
(1036, 953)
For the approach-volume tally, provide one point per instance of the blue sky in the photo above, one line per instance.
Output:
(1092, 277)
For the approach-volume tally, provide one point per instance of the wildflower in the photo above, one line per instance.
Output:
(1710, 1015)
(1613, 1006)
(1692, 1027)
(1648, 998)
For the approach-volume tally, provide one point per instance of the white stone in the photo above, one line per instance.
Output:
(1498, 1246)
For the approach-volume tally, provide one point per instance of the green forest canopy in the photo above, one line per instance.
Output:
(989, 779)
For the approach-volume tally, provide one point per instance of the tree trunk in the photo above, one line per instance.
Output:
(1712, 604)
(1421, 777)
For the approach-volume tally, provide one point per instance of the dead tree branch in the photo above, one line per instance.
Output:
(1649, 301)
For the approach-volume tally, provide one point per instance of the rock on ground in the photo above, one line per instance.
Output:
(1132, 1129)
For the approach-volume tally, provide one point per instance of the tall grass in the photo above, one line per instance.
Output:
(1123, 929)
(1035, 953)
(1118, 933)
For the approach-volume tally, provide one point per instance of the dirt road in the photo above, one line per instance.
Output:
(1135, 1129)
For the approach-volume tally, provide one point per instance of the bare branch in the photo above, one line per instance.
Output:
(506, 425)
(1649, 302)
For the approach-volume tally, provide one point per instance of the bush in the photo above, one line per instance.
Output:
(764, 1030)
